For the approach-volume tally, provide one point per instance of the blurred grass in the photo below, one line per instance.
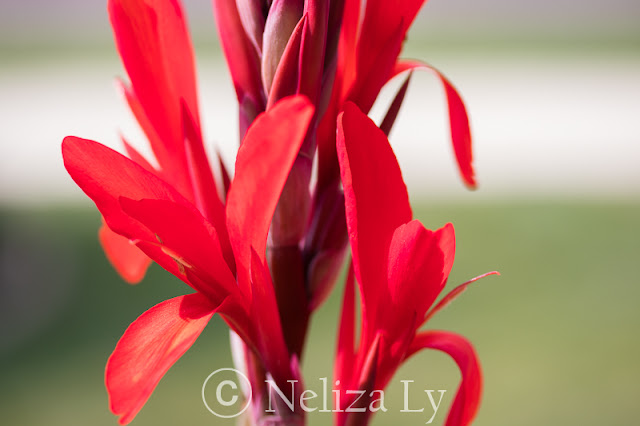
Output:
(557, 333)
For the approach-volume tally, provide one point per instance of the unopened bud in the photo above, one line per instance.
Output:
(253, 14)
(282, 19)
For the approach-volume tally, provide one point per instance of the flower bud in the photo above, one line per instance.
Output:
(253, 14)
(282, 19)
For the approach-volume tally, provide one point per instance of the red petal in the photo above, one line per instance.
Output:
(328, 168)
(242, 58)
(204, 186)
(149, 347)
(384, 27)
(419, 263)
(347, 45)
(376, 199)
(453, 295)
(266, 318)
(188, 239)
(458, 119)
(381, 17)
(156, 51)
(374, 66)
(105, 176)
(467, 400)
(262, 166)
(126, 258)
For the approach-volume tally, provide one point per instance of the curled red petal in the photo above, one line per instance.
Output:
(458, 120)
(130, 262)
(376, 199)
(467, 401)
(149, 347)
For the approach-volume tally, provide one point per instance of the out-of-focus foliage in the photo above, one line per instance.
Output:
(557, 332)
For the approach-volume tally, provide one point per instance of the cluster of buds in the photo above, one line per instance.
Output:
(332, 52)
(279, 48)
(264, 249)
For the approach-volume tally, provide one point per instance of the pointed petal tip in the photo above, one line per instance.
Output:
(469, 180)
(70, 147)
(453, 294)
(66, 141)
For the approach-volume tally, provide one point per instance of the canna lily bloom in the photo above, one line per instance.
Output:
(230, 278)
(401, 268)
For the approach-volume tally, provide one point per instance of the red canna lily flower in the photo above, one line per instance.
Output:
(230, 279)
(401, 268)
(168, 209)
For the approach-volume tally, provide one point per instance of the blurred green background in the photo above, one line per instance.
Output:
(554, 95)
(556, 333)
